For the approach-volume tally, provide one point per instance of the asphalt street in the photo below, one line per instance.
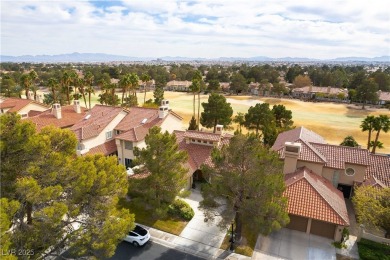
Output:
(149, 251)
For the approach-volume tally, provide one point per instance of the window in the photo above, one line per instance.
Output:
(108, 135)
(349, 171)
(117, 132)
(128, 163)
(23, 115)
(128, 145)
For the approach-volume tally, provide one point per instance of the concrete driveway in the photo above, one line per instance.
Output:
(198, 234)
(291, 244)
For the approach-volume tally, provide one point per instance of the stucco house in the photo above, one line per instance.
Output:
(330, 172)
(177, 85)
(383, 97)
(320, 93)
(24, 107)
(133, 128)
(199, 145)
(116, 130)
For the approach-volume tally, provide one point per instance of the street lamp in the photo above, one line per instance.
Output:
(232, 238)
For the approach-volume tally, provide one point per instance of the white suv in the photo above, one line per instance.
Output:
(138, 236)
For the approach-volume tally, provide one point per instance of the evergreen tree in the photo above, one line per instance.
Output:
(216, 111)
(158, 95)
(261, 118)
(367, 91)
(283, 117)
(246, 185)
(193, 125)
(349, 141)
(163, 161)
(61, 200)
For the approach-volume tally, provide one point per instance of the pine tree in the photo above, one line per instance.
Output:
(247, 182)
(216, 111)
(193, 125)
(163, 161)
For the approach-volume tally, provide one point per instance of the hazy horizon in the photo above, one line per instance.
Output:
(197, 29)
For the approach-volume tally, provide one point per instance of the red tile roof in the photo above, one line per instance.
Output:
(132, 127)
(336, 155)
(199, 154)
(379, 168)
(312, 196)
(374, 182)
(296, 134)
(69, 118)
(106, 148)
(202, 135)
(100, 117)
(16, 104)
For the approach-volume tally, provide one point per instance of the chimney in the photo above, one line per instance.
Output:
(76, 106)
(163, 111)
(291, 154)
(165, 102)
(218, 129)
(56, 110)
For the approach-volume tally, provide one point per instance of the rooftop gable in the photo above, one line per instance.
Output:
(95, 121)
(299, 133)
(16, 104)
(312, 196)
(68, 119)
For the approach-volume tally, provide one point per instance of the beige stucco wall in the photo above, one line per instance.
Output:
(338, 233)
(343, 178)
(315, 167)
(101, 138)
(124, 153)
(30, 107)
(171, 123)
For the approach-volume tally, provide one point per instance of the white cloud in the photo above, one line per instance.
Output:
(197, 28)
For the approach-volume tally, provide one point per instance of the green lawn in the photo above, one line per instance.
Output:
(370, 250)
(146, 217)
(247, 243)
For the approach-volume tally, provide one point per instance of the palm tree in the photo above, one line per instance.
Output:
(382, 122)
(194, 88)
(88, 81)
(52, 83)
(34, 76)
(125, 83)
(145, 79)
(25, 81)
(66, 80)
(368, 125)
(134, 83)
(198, 77)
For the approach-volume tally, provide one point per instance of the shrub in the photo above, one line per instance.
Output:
(181, 209)
(370, 250)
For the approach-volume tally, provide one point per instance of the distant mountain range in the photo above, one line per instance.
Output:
(101, 57)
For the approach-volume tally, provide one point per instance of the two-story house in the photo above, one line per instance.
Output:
(319, 176)
(116, 130)
(24, 107)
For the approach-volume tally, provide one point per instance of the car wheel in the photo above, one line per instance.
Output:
(135, 243)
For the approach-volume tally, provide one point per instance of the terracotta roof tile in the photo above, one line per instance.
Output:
(300, 133)
(312, 196)
(100, 117)
(379, 168)
(69, 118)
(202, 135)
(106, 148)
(16, 104)
(199, 154)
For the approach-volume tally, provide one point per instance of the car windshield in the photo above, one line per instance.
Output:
(140, 230)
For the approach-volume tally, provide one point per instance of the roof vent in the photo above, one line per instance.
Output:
(88, 116)
(144, 121)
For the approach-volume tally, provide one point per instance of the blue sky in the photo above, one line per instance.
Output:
(207, 29)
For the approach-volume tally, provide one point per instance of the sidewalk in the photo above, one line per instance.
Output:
(187, 245)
